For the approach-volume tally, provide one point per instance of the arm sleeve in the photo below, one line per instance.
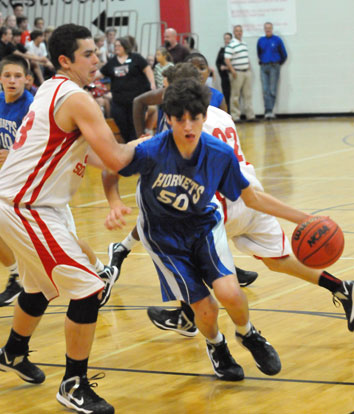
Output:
(282, 52)
(139, 164)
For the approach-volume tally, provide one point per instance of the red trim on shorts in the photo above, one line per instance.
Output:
(58, 255)
(279, 257)
(222, 200)
(57, 138)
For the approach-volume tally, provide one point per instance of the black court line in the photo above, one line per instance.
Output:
(190, 374)
(108, 308)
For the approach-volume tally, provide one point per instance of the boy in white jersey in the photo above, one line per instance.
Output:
(41, 173)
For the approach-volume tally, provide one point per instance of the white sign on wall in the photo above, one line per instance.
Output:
(252, 14)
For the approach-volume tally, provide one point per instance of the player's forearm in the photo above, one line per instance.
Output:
(270, 205)
(110, 186)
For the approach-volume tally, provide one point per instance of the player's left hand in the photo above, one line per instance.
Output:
(115, 218)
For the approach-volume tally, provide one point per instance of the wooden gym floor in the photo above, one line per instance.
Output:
(307, 163)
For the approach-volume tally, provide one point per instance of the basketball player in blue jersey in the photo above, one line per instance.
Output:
(14, 103)
(180, 223)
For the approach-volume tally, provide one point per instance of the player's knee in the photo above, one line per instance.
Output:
(275, 265)
(83, 310)
(34, 304)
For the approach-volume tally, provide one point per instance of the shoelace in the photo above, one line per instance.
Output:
(336, 301)
(87, 385)
(12, 279)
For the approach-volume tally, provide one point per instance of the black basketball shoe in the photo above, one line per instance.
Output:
(266, 357)
(245, 277)
(172, 320)
(345, 294)
(109, 275)
(77, 393)
(20, 365)
(12, 290)
(117, 253)
(225, 367)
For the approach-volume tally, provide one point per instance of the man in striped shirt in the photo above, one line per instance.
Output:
(238, 63)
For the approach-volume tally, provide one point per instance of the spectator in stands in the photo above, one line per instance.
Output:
(34, 60)
(164, 61)
(1, 20)
(22, 24)
(18, 9)
(10, 21)
(151, 61)
(101, 51)
(271, 55)
(47, 33)
(39, 23)
(130, 76)
(6, 47)
(176, 50)
(223, 70)
(109, 44)
(238, 62)
(37, 47)
(133, 43)
(189, 43)
(30, 86)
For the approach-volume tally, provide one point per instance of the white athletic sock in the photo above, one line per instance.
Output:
(243, 330)
(99, 266)
(219, 338)
(13, 268)
(129, 242)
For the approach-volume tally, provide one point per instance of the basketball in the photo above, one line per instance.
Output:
(318, 242)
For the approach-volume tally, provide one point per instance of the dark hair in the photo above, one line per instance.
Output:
(15, 5)
(36, 33)
(125, 42)
(186, 95)
(37, 19)
(3, 30)
(15, 60)
(133, 43)
(186, 70)
(190, 40)
(229, 34)
(20, 19)
(63, 41)
(16, 32)
(194, 55)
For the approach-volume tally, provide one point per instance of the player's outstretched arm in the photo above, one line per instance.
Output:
(268, 204)
(115, 218)
(80, 111)
(140, 104)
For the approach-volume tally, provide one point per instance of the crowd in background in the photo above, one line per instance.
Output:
(124, 74)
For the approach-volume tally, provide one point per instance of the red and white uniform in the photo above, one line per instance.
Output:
(43, 170)
(252, 232)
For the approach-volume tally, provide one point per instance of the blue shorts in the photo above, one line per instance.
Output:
(186, 260)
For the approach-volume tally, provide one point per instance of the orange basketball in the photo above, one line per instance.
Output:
(318, 242)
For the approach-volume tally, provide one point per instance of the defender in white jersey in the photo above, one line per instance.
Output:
(41, 173)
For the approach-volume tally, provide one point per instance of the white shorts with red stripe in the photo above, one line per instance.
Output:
(255, 233)
(48, 255)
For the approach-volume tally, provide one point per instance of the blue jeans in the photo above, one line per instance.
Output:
(269, 78)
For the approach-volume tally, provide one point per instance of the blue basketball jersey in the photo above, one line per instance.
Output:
(172, 187)
(11, 115)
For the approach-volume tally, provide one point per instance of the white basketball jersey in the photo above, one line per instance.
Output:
(45, 165)
(220, 124)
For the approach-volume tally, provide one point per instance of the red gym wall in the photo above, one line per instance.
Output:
(176, 14)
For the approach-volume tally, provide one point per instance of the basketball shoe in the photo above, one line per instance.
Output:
(12, 290)
(172, 320)
(20, 365)
(245, 277)
(266, 357)
(117, 253)
(345, 294)
(225, 367)
(109, 275)
(77, 393)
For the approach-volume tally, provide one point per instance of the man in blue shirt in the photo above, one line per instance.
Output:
(271, 54)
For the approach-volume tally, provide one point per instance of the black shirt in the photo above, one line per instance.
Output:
(127, 79)
(6, 49)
